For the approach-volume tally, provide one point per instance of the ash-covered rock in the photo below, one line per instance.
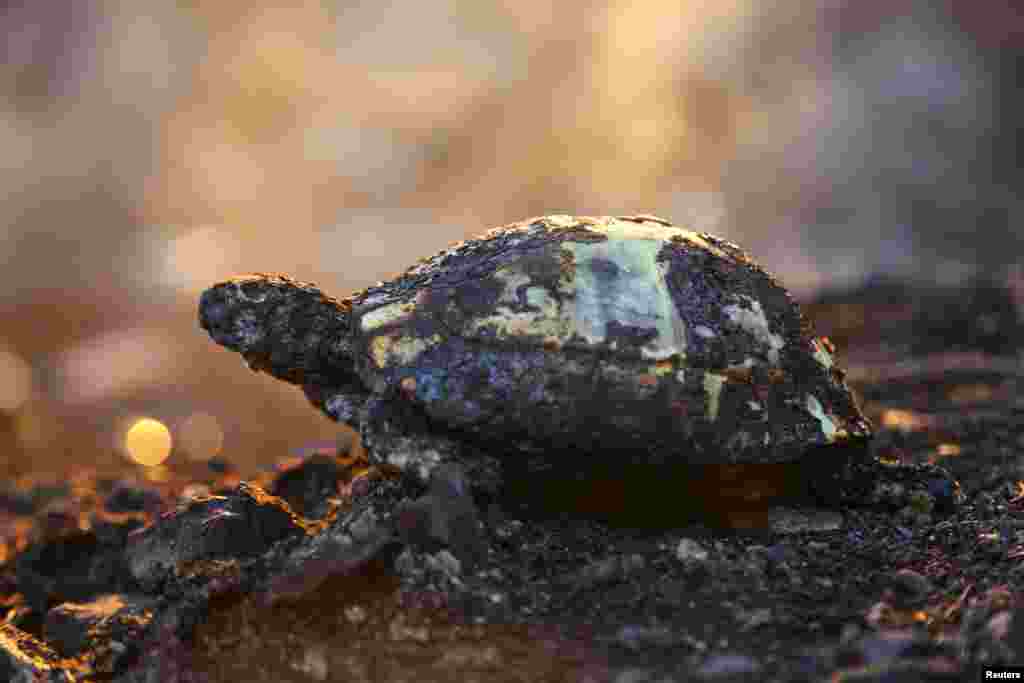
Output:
(26, 658)
(109, 627)
(446, 517)
(309, 487)
(657, 604)
(209, 529)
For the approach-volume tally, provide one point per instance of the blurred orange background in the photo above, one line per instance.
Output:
(148, 149)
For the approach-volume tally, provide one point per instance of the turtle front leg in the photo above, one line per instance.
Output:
(395, 434)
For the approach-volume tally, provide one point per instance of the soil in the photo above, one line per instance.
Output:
(748, 588)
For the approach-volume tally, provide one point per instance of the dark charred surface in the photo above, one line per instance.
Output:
(522, 391)
(287, 328)
(541, 337)
(400, 582)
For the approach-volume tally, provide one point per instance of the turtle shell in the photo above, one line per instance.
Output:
(609, 334)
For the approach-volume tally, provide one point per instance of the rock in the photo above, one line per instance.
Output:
(906, 589)
(210, 528)
(133, 497)
(446, 517)
(25, 659)
(689, 551)
(110, 627)
(309, 486)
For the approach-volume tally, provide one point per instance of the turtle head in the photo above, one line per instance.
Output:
(289, 329)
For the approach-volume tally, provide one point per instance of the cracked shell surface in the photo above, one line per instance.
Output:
(603, 334)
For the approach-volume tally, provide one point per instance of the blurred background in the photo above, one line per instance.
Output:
(148, 149)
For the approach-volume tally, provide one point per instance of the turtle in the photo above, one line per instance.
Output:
(559, 343)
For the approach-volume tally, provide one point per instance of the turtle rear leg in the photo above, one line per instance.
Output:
(925, 487)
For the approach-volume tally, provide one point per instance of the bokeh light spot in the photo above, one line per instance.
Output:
(905, 420)
(148, 442)
(15, 381)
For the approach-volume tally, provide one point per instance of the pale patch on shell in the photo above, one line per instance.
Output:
(558, 220)
(753, 320)
(821, 355)
(589, 299)
(828, 428)
(399, 350)
(637, 297)
(548, 322)
(651, 228)
(713, 383)
(385, 315)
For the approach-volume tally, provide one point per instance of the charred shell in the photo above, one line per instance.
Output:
(625, 336)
